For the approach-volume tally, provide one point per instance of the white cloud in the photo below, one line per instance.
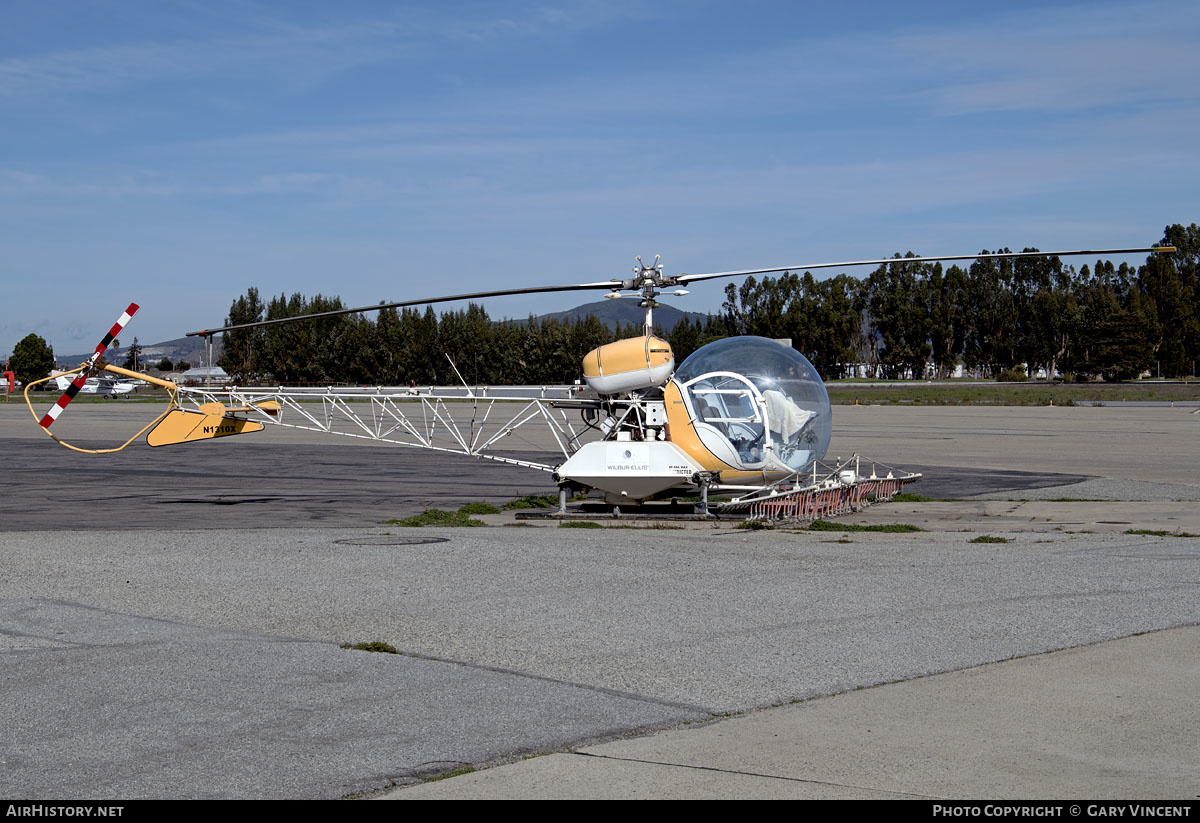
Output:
(290, 49)
(1057, 58)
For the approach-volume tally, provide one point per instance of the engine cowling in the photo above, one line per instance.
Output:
(633, 364)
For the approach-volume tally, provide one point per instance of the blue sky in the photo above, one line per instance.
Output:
(175, 153)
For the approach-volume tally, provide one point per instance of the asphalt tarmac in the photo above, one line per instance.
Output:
(170, 626)
(290, 477)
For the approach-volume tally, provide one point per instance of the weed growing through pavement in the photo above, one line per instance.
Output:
(1160, 533)
(888, 528)
(373, 646)
(436, 517)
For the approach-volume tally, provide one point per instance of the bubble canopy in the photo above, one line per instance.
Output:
(789, 392)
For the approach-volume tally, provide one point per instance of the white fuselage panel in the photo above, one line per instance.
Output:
(632, 470)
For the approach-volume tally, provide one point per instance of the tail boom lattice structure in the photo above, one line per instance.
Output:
(473, 426)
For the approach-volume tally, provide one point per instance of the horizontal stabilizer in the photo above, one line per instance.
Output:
(181, 426)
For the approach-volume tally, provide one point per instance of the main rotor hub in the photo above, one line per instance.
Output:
(649, 279)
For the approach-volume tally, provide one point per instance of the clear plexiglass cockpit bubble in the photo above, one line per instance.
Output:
(734, 383)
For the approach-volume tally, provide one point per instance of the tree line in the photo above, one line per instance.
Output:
(405, 346)
(905, 319)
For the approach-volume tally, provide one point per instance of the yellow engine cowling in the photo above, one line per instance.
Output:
(629, 365)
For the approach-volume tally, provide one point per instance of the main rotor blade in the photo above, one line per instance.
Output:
(607, 284)
(691, 278)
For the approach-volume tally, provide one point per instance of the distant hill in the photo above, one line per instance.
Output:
(609, 312)
(626, 312)
(187, 349)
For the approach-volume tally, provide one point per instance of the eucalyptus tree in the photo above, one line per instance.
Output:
(991, 327)
(685, 338)
(836, 323)
(1118, 325)
(242, 353)
(465, 336)
(387, 342)
(285, 345)
(1171, 281)
(1046, 310)
(945, 300)
(895, 298)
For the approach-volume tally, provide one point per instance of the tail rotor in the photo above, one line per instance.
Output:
(86, 368)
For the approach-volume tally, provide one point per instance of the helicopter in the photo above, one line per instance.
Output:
(742, 415)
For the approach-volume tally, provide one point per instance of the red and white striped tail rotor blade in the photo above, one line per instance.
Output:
(121, 323)
(79, 381)
(66, 398)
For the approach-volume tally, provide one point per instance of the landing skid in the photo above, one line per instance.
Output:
(828, 490)
(645, 512)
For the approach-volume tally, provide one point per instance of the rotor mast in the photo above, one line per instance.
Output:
(651, 280)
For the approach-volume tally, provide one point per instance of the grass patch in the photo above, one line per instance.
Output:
(888, 528)
(540, 501)
(753, 525)
(436, 517)
(479, 508)
(456, 773)
(910, 497)
(532, 501)
(648, 527)
(591, 524)
(373, 646)
(1160, 533)
(987, 538)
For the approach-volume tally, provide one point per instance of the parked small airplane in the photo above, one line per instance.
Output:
(103, 386)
